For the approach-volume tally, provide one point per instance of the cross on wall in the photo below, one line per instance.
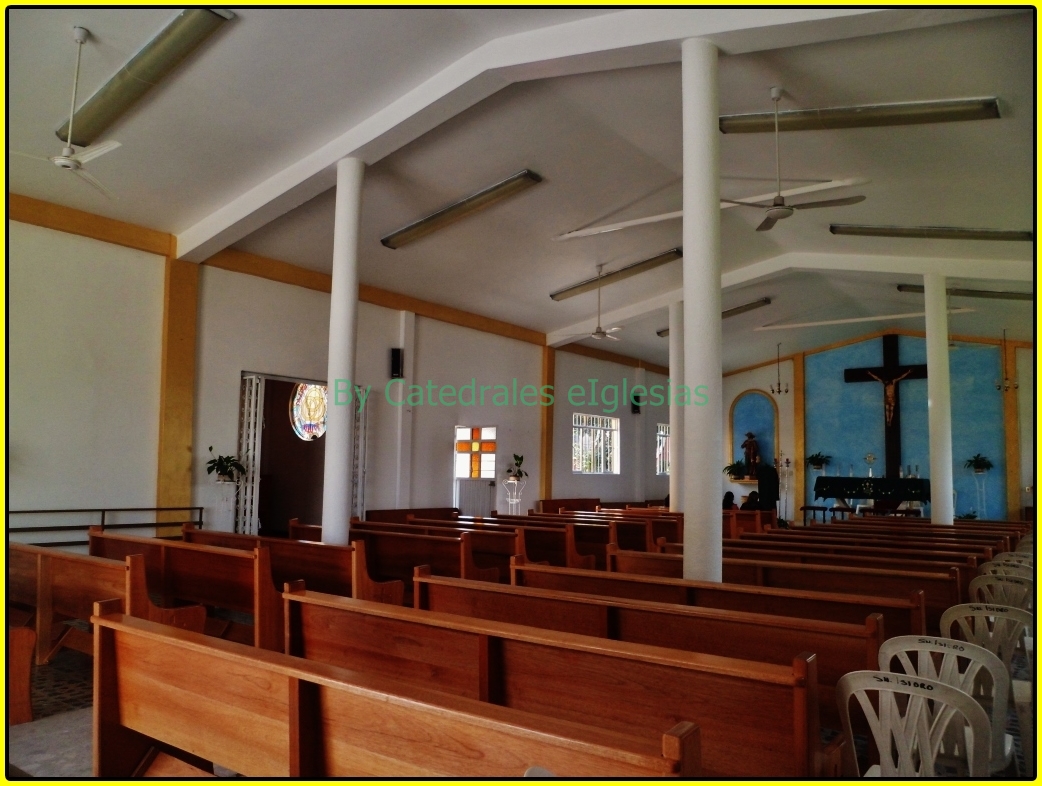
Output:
(890, 374)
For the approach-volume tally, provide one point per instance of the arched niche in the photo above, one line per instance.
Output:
(756, 411)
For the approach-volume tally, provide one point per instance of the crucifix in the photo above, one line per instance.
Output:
(890, 374)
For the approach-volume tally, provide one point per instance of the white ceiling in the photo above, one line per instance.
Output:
(275, 84)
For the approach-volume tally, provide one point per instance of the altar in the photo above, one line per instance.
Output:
(891, 492)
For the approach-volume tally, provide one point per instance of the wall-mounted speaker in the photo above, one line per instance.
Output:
(397, 363)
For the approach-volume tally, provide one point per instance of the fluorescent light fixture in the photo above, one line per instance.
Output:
(731, 312)
(934, 233)
(142, 72)
(460, 210)
(984, 293)
(852, 320)
(619, 275)
(867, 116)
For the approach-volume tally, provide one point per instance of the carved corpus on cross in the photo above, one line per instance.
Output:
(890, 374)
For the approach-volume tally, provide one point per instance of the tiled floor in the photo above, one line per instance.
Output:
(64, 684)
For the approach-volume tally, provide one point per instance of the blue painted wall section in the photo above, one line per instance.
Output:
(753, 412)
(845, 420)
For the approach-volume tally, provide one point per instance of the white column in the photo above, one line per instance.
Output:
(676, 412)
(939, 395)
(403, 414)
(703, 418)
(343, 317)
(640, 441)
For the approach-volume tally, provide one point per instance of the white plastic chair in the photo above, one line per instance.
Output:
(996, 590)
(998, 629)
(919, 725)
(968, 667)
(1006, 569)
(1026, 545)
(1016, 558)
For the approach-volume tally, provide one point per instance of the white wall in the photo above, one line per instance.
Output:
(85, 349)
(1026, 416)
(636, 433)
(246, 324)
(452, 355)
(761, 379)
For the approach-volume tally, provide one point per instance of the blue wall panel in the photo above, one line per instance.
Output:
(845, 420)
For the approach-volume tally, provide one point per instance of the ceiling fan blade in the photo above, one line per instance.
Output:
(613, 330)
(766, 224)
(744, 204)
(828, 203)
(29, 155)
(95, 151)
(93, 182)
(612, 338)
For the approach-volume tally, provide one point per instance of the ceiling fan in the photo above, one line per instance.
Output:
(778, 209)
(69, 159)
(599, 332)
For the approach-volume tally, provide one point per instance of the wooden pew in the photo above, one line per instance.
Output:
(325, 567)
(265, 714)
(226, 578)
(1005, 538)
(573, 503)
(400, 515)
(556, 544)
(298, 531)
(630, 530)
(60, 585)
(903, 616)
(903, 560)
(489, 547)
(942, 586)
(840, 647)
(21, 643)
(391, 556)
(755, 719)
(803, 535)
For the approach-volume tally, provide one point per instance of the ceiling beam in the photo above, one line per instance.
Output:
(614, 40)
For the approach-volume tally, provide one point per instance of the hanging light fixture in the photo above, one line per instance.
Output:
(1005, 384)
(778, 391)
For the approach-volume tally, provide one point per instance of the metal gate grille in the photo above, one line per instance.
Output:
(251, 425)
(475, 496)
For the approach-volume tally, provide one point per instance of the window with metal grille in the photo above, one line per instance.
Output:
(595, 444)
(662, 449)
(475, 452)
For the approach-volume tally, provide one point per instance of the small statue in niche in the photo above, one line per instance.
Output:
(752, 453)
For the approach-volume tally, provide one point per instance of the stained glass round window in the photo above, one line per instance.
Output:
(307, 411)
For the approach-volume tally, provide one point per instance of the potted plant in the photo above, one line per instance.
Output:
(228, 468)
(735, 471)
(979, 464)
(966, 517)
(514, 470)
(818, 460)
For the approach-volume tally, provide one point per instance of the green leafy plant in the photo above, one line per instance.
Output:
(966, 517)
(514, 470)
(978, 463)
(819, 460)
(736, 471)
(225, 466)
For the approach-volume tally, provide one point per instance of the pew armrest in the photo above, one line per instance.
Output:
(364, 588)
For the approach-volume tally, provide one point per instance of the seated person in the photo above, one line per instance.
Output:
(729, 501)
(752, 502)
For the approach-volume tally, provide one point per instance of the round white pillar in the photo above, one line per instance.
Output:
(939, 396)
(676, 412)
(343, 315)
(703, 417)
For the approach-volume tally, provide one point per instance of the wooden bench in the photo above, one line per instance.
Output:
(738, 522)
(807, 535)
(226, 578)
(755, 719)
(60, 585)
(841, 647)
(640, 533)
(942, 586)
(400, 515)
(1003, 541)
(556, 544)
(266, 714)
(489, 547)
(571, 503)
(326, 567)
(298, 531)
(21, 643)
(902, 615)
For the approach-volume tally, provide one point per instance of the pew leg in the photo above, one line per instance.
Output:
(118, 751)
